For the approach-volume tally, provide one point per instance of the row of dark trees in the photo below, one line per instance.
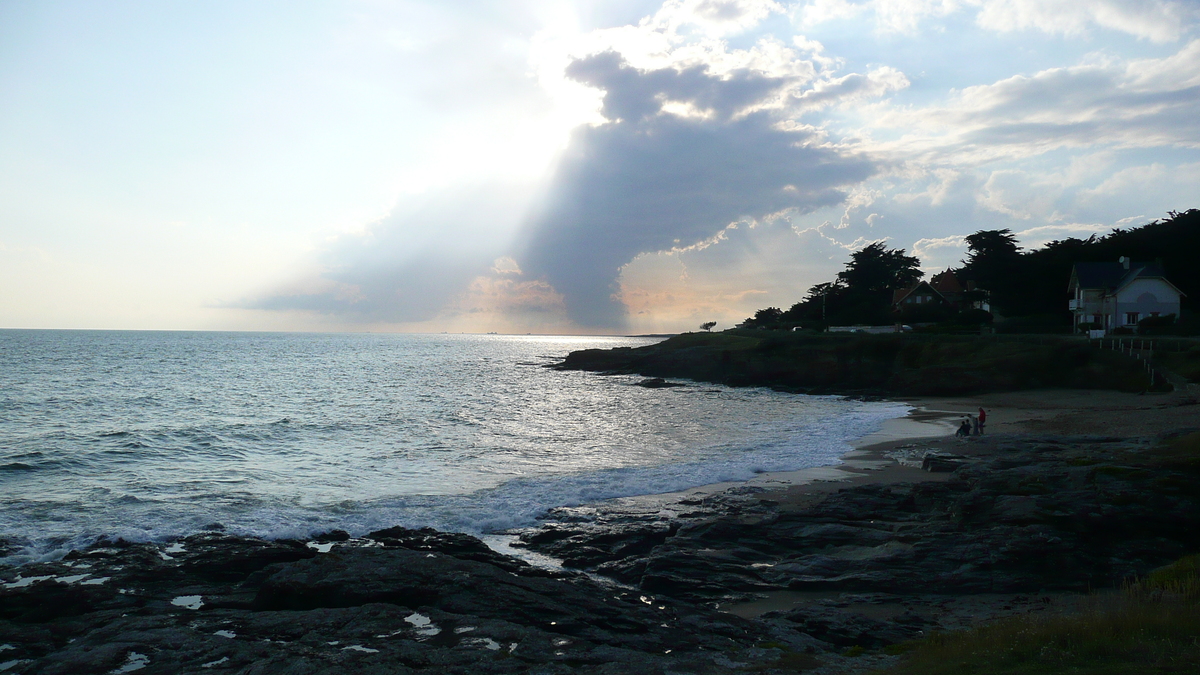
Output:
(1027, 288)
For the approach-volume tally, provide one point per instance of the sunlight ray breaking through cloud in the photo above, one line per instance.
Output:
(559, 167)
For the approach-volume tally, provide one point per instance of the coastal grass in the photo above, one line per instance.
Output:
(886, 363)
(1186, 363)
(1151, 626)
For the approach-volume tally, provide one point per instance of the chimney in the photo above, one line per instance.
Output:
(1124, 260)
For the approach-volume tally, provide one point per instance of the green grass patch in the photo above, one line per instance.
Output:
(1150, 627)
(1181, 578)
(1179, 454)
(1186, 363)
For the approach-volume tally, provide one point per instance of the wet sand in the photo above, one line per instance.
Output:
(932, 422)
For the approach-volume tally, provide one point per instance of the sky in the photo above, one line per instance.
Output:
(545, 166)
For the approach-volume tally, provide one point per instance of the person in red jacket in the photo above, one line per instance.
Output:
(982, 419)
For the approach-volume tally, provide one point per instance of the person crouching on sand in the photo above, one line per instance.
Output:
(964, 429)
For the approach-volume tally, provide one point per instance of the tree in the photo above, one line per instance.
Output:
(993, 257)
(708, 325)
(869, 279)
(877, 269)
(823, 300)
(764, 318)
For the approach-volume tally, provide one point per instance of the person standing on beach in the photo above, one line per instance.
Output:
(982, 419)
(975, 430)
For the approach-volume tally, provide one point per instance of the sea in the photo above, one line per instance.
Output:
(153, 435)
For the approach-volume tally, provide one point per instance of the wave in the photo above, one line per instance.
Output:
(17, 466)
(515, 503)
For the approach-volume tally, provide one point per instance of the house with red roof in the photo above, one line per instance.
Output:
(943, 290)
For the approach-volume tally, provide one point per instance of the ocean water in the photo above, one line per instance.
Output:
(154, 435)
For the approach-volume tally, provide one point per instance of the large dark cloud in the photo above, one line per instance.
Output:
(410, 265)
(648, 180)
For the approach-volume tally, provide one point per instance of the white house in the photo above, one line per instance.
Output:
(1112, 295)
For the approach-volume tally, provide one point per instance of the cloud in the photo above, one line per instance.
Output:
(711, 17)
(1135, 104)
(1016, 194)
(852, 88)
(635, 95)
(1155, 20)
(926, 247)
(412, 264)
(504, 301)
(1034, 237)
(754, 265)
(649, 180)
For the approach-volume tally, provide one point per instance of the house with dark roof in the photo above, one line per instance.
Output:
(942, 290)
(920, 294)
(1120, 294)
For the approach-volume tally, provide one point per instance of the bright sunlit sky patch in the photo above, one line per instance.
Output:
(551, 166)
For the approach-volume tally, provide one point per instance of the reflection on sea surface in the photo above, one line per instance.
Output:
(149, 434)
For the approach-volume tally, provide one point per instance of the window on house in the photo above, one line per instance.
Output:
(1153, 313)
(1131, 318)
(1098, 319)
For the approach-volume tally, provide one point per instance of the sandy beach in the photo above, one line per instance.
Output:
(931, 424)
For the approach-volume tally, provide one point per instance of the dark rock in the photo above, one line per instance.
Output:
(658, 383)
(456, 544)
(942, 463)
(1013, 518)
(221, 557)
(332, 536)
(422, 602)
(851, 629)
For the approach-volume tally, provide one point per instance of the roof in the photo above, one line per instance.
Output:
(900, 294)
(946, 282)
(1106, 275)
(1111, 276)
(1146, 271)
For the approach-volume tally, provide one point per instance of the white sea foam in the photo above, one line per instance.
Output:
(422, 625)
(486, 643)
(188, 601)
(360, 648)
(292, 435)
(134, 661)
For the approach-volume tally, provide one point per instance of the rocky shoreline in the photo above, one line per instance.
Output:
(396, 601)
(748, 579)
